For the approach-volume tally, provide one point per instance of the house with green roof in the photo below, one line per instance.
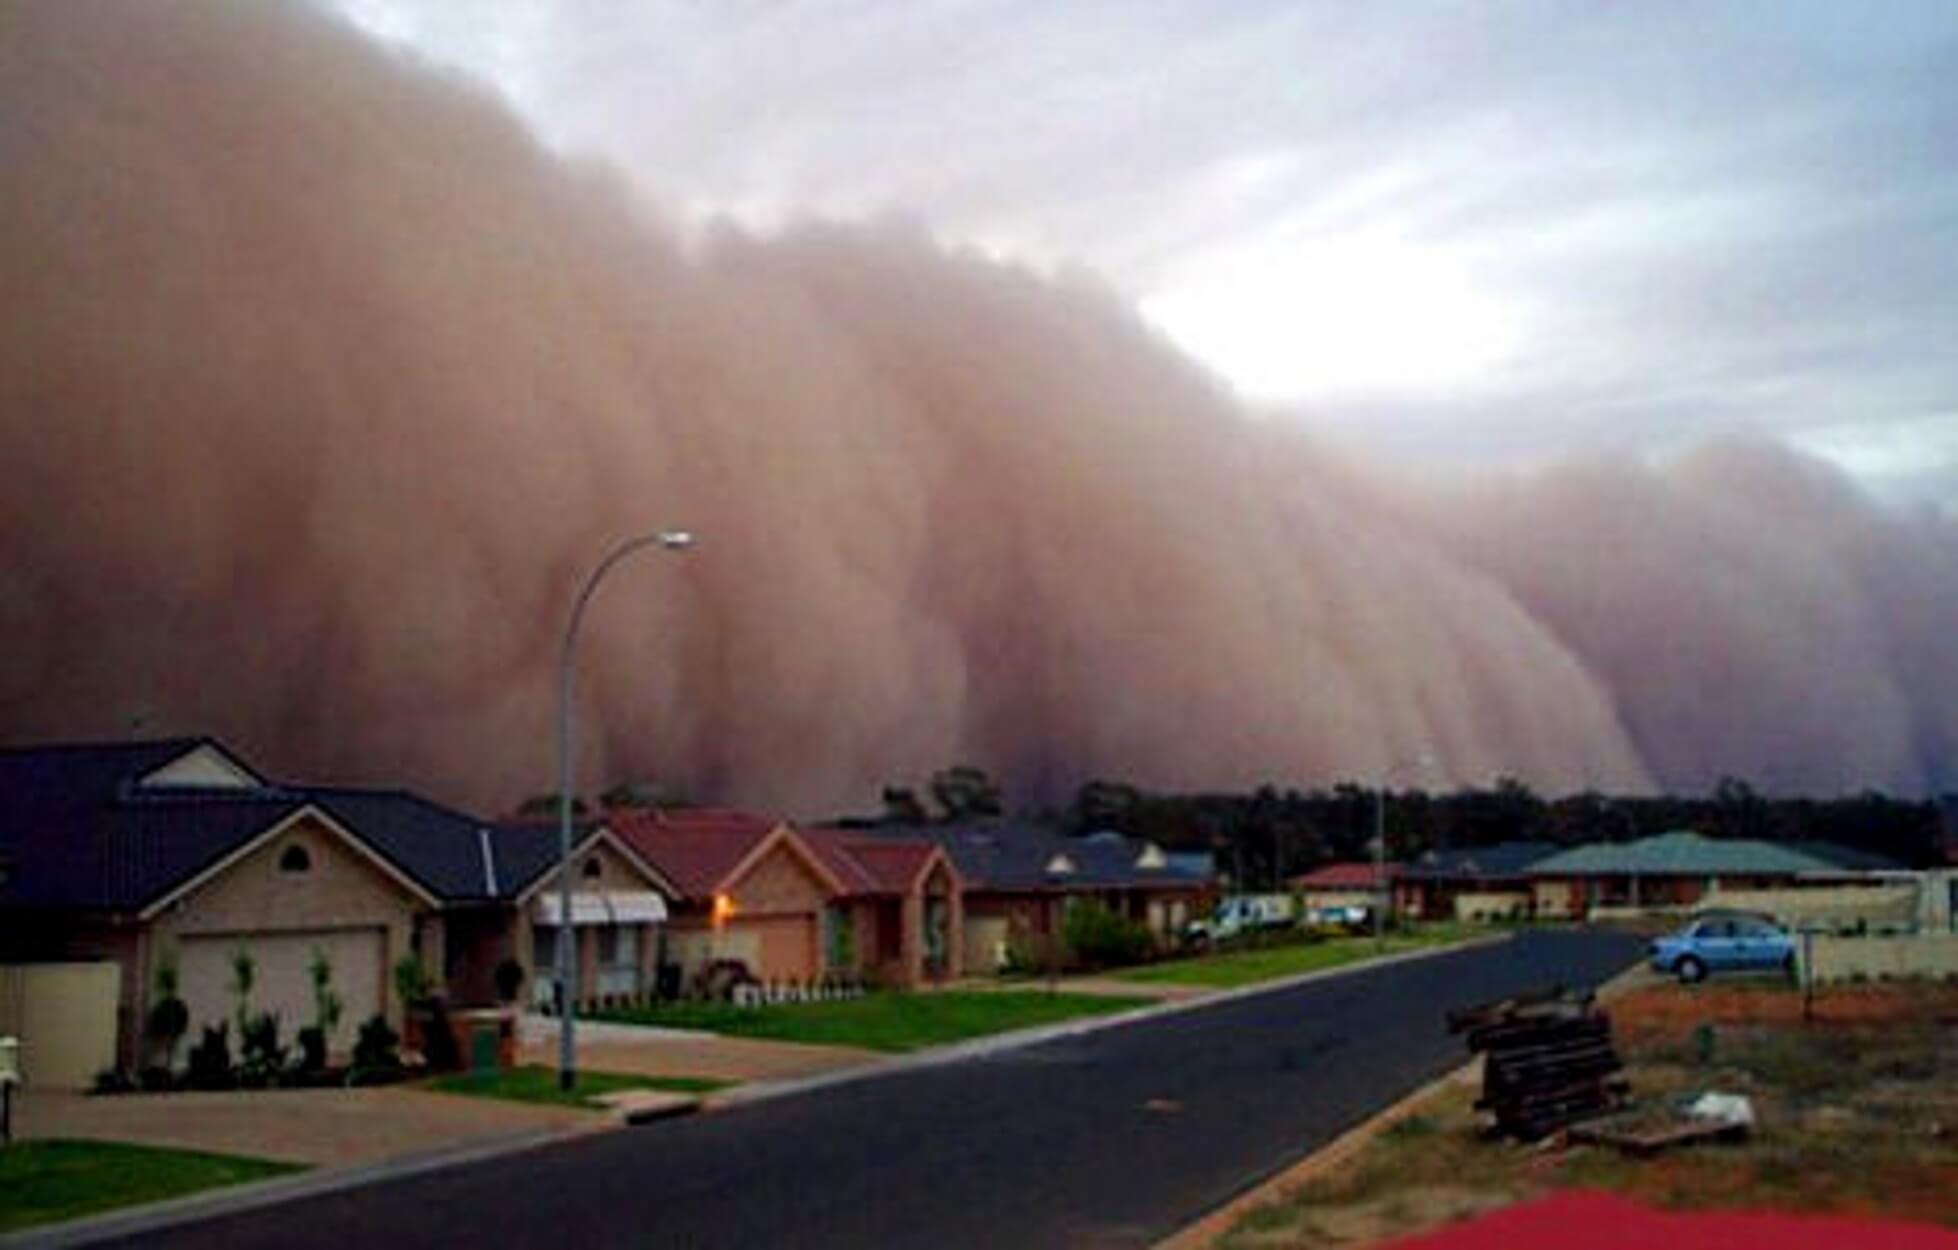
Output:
(1676, 869)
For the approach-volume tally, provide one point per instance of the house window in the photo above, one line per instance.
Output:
(608, 944)
(295, 859)
(593, 869)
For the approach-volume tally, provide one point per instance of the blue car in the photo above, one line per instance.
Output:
(1725, 943)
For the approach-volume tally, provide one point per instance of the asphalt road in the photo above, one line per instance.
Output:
(1116, 1138)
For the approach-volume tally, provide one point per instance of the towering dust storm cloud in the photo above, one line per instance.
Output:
(323, 384)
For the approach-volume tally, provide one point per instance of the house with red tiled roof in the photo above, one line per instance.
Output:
(901, 920)
(1343, 885)
(793, 904)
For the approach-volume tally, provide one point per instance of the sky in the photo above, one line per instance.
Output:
(1459, 232)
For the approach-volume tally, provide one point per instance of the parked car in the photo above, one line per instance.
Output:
(1725, 943)
(1245, 913)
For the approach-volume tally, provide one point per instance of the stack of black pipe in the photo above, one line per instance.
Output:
(1548, 1060)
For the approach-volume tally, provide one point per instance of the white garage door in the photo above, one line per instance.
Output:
(282, 981)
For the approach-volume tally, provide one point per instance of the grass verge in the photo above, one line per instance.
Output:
(888, 1022)
(45, 1181)
(537, 1083)
(1229, 969)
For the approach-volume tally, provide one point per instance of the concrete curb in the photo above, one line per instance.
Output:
(155, 1216)
(1208, 1229)
(1002, 1043)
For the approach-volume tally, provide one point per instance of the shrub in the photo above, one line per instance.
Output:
(1099, 938)
(210, 1059)
(155, 1079)
(260, 1057)
(312, 1049)
(113, 1081)
(378, 1045)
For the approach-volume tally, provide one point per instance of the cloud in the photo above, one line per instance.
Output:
(336, 383)
(1642, 224)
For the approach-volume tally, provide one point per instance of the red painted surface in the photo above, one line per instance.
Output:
(1607, 1222)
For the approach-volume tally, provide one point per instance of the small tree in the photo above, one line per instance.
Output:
(327, 1007)
(244, 971)
(411, 982)
(169, 1017)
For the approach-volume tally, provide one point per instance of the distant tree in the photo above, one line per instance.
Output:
(965, 792)
(546, 805)
(1102, 804)
(903, 807)
(637, 794)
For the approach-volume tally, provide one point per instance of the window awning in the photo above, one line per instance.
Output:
(618, 907)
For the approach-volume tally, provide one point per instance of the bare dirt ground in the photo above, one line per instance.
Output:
(1857, 1116)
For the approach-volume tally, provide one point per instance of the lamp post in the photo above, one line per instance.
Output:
(567, 965)
(1381, 899)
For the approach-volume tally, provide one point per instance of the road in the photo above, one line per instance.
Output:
(1115, 1138)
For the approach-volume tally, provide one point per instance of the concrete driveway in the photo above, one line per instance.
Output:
(322, 1127)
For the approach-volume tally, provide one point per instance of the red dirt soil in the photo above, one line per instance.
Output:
(1670, 1012)
(1606, 1222)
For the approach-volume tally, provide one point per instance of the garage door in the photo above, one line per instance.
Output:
(787, 946)
(65, 1018)
(282, 981)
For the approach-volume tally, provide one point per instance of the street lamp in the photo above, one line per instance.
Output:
(1381, 898)
(567, 966)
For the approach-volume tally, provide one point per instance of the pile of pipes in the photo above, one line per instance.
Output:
(1548, 1060)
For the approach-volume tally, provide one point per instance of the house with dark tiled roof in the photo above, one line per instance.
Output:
(1470, 883)
(796, 904)
(1019, 879)
(140, 855)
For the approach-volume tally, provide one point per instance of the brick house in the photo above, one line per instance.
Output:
(1020, 879)
(794, 904)
(130, 856)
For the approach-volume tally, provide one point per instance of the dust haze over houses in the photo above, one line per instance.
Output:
(1098, 413)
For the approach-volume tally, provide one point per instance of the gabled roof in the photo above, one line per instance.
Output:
(1013, 857)
(81, 829)
(1349, 875)
(1681, 853)
(703, 850)
(1501, 861)
(872, 865)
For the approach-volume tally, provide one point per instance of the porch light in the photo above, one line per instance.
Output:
(723, 910)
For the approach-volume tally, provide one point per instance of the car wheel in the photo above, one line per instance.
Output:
(1690, 969)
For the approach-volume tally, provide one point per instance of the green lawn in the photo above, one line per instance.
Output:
(44, 1181)
(537, 1083)
(1246, 967)
(888, 1021)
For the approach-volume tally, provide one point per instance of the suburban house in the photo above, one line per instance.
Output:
(1470, 883)
(1019, 879)
(118, 859)
(1682, 869)
(795, 905)
(1348, 884)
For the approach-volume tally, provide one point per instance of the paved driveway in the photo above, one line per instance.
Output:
(324, 1127)
(1117, 1137)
